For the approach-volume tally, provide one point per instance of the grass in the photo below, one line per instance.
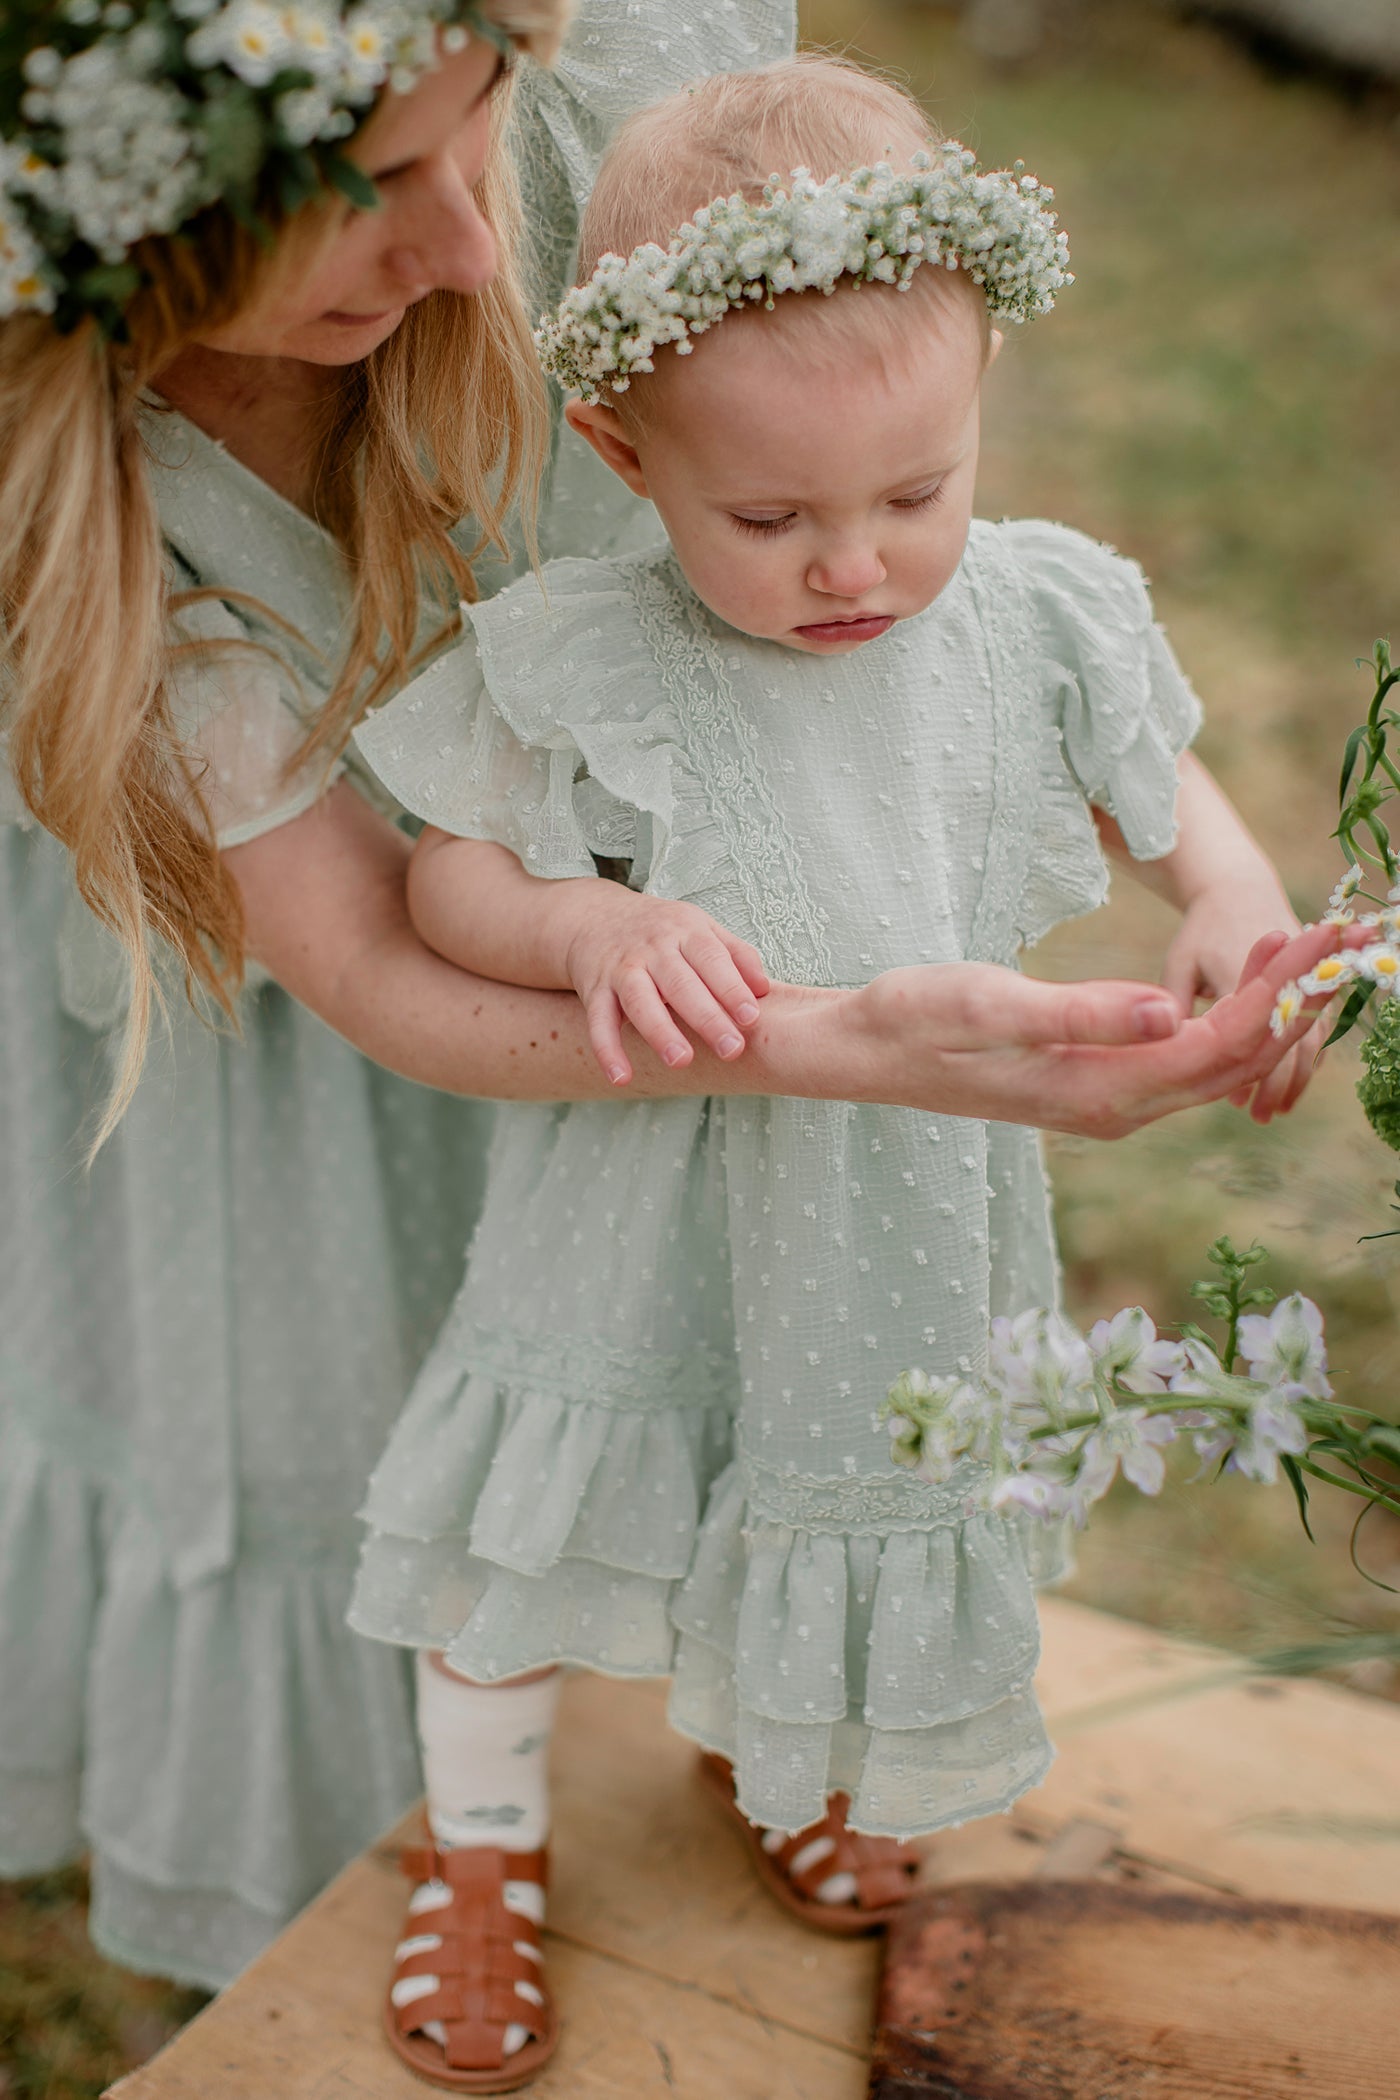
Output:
(1214, 396)
(71, 2023)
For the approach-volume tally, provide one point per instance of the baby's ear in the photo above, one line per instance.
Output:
(604, 429)
(994, 343)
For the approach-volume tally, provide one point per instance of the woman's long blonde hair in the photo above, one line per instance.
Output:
(87, 645)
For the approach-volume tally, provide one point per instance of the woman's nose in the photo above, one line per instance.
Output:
(847, 571)
(452, 248)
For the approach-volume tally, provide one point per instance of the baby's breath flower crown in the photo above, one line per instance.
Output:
(872, 225)
(125, 119)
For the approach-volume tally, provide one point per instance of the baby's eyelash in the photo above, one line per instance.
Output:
(765, 527)
(925, 502)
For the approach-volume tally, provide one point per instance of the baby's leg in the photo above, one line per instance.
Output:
(468, 2004)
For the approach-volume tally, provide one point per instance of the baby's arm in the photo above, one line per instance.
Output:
(643, 959)
(1229, 894)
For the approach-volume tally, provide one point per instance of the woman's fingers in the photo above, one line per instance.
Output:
(1001, 1007)
(1262, 953)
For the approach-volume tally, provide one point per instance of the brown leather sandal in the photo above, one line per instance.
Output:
(882, 1868)
(470, 1953)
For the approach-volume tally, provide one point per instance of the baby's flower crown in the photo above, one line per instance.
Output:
(126, 119)
(872, 225)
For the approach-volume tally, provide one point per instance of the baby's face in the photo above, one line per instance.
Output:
(815, 500)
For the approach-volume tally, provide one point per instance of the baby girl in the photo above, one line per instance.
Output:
(829, 722)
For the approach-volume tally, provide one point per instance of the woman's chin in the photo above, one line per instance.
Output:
(343, 338)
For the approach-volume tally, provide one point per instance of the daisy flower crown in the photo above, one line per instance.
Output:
(126, 119)
(872, 225)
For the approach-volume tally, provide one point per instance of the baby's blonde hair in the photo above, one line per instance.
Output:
(735, 132)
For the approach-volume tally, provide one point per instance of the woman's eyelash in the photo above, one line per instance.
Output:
(765, 527)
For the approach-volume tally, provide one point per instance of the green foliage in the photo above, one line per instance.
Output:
(1225, 1295)
(1378, 1090)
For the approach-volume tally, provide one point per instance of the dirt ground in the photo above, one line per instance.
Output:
(1216, 397)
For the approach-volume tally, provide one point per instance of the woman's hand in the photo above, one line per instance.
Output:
(1091, 1058)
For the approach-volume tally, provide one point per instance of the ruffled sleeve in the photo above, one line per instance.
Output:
(1116, 712)
(550, 731)
(1123, 705)
(482, 743)
(241, 721)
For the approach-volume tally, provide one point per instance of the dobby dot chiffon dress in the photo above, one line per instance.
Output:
(204, 1343)
(647, 1438)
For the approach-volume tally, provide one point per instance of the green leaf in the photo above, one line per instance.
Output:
(1383, 1439)
(1350, 1014)
(235, 137)
(114, 281)
(1300, 1490)
(351, 180)
(1349, 762)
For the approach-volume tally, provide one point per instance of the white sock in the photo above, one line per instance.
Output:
(486, 1757)
(486, 1772)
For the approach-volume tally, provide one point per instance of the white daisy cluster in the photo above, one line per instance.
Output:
(1375, 968)
(1056, 1415)
(872, 225)
(135, 117)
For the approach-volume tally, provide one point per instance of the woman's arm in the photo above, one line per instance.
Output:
(325, 898)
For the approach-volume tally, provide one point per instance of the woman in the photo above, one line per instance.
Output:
(217, 540)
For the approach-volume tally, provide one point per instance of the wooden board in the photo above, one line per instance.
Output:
(677, 1975)
(1081, 1990)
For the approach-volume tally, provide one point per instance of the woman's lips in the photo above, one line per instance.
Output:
(864, 628)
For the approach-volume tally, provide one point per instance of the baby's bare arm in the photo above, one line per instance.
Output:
(1223, 883)
(643, 959)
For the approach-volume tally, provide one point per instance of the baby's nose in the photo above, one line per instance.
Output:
(847, 571)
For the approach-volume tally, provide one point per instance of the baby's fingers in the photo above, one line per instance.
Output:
(749, 963)
(691, 1001)
(604, 1017)
(651, 1017)
(721, 969)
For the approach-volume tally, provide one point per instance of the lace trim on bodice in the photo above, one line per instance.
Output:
(788, 927)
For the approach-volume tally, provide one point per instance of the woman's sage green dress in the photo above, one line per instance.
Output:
(206, 1339)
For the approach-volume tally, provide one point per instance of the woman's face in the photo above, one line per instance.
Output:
(425, 152)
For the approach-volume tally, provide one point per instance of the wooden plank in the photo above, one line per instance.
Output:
(1094, 1666)
(664, 1950)
(1269, 1789)
(1048, 1990)
(648, 1870)
(298, 2028)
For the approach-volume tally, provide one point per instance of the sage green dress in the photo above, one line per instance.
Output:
(206, 1340)
(648, 1436)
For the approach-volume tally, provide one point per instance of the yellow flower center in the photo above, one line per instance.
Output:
(1331, 966)
(1386, 965)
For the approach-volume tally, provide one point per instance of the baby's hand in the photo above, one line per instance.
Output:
(655, 963)
(1214, 952)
